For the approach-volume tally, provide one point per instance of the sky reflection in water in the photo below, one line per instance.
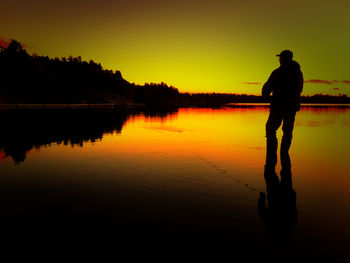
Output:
(202, 163)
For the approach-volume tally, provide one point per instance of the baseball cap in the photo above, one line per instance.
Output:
(287, 54)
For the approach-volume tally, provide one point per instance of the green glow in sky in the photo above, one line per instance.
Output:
(196, 46)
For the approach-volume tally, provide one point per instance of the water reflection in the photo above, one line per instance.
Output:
(280, 212)
(23, 130)
(194, 175)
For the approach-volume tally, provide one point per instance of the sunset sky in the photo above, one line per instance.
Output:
(197, 46)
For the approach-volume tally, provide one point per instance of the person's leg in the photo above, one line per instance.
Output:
(288, 125)
(273, 123)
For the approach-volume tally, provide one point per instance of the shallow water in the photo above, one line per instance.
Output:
(188, 174)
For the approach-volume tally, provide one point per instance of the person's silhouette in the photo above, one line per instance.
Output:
(286, 84)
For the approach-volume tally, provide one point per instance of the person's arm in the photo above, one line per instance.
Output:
(268, 86)
(301, 83)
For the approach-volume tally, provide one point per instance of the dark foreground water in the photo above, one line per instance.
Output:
(183, 180)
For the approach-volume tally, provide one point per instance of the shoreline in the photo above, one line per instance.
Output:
(70, 105)
(138, 105)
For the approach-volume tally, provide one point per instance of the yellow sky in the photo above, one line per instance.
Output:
(196, 46)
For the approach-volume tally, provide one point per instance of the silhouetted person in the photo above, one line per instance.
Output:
(286, 85)
(280, 213)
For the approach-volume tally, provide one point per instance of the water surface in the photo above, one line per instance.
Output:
(189, 174)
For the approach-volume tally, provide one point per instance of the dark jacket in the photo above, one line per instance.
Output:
(286, 85)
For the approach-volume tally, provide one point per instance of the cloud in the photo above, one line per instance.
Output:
(318, 81)
(328, 82)
(312, 81)
(3, 42)
(252, 83)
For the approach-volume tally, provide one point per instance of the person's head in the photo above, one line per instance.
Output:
(285, 57)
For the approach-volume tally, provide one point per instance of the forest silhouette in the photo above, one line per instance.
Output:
(40, 79)
(33, 79)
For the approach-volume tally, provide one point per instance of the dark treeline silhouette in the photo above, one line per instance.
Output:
(25, 129)
(39, 79)
(198, 99)
(225, 98)
(155, 94)
(321, 98)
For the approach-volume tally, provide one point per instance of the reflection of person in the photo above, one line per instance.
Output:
(286, 85)
(280, 215)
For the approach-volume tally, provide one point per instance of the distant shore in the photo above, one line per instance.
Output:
(32, 81)
(73, 105)
(140, 105)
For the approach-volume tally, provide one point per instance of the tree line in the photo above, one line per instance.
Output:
(39, 79)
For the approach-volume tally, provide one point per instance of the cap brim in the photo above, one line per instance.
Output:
(278, 55)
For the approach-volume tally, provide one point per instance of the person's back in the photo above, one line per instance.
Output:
(286, 85)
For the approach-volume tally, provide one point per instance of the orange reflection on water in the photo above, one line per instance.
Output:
(211, 157)
(225, 141)
(225, 136)
(230, 138)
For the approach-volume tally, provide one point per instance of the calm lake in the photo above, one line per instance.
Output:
(191, 174)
